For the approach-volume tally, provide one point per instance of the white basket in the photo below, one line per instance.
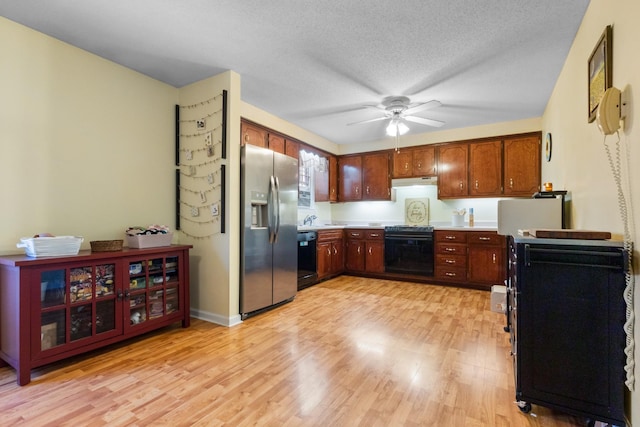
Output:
(50, 246)
(149, 240)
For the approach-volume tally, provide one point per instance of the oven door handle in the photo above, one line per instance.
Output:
(421, 238)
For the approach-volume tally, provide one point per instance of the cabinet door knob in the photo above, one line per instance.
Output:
(461, 185)
(510, 182)
(449, 237)
(484, 238)
(476, 184)
(494, 258)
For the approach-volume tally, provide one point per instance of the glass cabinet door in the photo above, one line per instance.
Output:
(153, 289)
(137, 292)
(77, 303)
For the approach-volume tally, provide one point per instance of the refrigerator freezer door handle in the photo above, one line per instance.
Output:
(272, 212)
(277, 209)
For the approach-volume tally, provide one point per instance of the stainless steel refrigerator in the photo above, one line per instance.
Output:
(269, 256)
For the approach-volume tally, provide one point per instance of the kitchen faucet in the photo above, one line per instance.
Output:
(308, 220)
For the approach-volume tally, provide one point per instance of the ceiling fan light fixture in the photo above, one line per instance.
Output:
(397, 128)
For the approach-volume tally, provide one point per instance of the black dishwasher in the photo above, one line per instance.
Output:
(566, 313)
(307, 272)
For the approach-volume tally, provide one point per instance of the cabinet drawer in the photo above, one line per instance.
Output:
(451, 273)
(451, 249)
(355, 234)
(328, 235)
(448, 261)
(374, 234)
(451, 236)
(486, 238)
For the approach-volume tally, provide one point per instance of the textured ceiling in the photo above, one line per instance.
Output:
(317, 63)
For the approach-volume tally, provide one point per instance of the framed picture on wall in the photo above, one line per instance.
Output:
(600, 67)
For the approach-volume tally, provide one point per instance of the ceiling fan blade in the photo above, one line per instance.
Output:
(421, 107)
(422, 121)
(377, 119)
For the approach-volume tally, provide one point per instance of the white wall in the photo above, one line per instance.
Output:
(578, 160)
(87, 145)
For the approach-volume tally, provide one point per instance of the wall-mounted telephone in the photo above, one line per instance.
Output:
(608, 115)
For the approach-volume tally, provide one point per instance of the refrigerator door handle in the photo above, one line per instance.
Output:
(272, 211)
(277, 209)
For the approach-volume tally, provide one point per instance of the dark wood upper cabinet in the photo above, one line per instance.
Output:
(253, 135)
(376, 183)
(292, 148)
(414, 162)
(403, 163)
(350, 178)
(333, 179)
(453, 161)
(485, 168)
(501, 166)
(522, 165)
(424, 161)
(276, 143)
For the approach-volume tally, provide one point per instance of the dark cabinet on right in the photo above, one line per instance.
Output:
(566, 315)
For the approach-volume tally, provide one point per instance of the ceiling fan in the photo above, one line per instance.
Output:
(398, 109)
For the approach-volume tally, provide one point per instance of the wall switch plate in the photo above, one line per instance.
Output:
(215, 211)
(208, 139)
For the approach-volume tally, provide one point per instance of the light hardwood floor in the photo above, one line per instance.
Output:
(346, 352)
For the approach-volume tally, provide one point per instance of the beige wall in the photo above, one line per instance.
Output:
(87, 145)
(215, 255)
(578, 160)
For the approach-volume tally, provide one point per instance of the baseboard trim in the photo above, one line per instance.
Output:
(216, 318)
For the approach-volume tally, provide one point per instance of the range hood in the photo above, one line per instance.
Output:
(406, 182)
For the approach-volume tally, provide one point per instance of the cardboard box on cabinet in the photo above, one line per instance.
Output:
(499, 298)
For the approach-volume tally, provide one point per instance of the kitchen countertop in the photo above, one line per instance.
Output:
(570, 242)
(437, 226)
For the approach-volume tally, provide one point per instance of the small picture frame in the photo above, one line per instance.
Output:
(600, 71)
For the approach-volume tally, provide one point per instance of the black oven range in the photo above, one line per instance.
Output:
(408, 249)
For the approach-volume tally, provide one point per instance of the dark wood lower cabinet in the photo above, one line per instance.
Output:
(56, 307)
(474, 258)
(364, 251)
(486, 263)
(330, 253)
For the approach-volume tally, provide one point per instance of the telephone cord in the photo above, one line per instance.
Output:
(629, 277)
